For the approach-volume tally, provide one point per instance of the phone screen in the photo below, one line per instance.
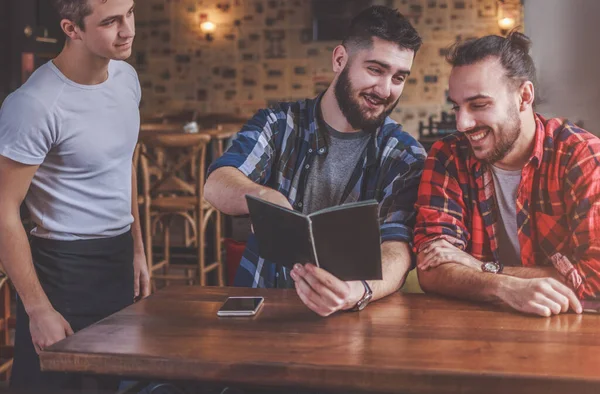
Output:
(240, 306)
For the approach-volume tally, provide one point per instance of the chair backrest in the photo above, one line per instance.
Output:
(141, 170)
(161, 127)
(224, 131)
(174, 164)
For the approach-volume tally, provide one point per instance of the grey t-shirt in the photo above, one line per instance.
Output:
(330, 172)
(506, 184)
(83, 138)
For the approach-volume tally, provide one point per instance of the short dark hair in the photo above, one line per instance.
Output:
(385, 23)
(74, 10)
(512, 51)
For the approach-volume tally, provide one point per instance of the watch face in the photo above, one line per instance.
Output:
(490, 266)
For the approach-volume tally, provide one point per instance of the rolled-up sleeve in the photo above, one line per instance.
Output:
(397, 207)
(440, 205)
(581, 266)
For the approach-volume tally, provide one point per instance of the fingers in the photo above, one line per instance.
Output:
(328, 281)
(136, 285)
(136, 280)
(68, 330)
(305, 296)
(319, 290)
(430, 261)
(67, 327)
(549, 303)
(427, 259)
(47, 328)
(566, 292)
(422, 260)
(316, 292)
(550, 297)
(434, 245)
(145, 286)
(439, 252)
(538, 309)
(434, 255)
(42, 344)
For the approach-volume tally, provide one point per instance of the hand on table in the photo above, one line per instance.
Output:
(322, 292)
(47, 327)
(539, 296)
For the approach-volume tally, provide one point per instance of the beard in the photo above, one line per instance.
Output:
(505, 137)
(508, 134)
(348, 101)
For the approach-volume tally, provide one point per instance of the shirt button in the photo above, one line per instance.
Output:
(307, 166)
(300, 204)
(322, 150)
(310, 150)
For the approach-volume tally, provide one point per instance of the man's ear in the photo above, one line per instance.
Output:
(527, 95)
(339, 58)
(70, 29)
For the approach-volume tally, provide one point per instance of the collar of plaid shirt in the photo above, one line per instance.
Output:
(276, 149)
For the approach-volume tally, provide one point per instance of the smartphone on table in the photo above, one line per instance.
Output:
(241, 306)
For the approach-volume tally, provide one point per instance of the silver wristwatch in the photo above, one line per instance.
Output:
(492, 267)
(364, 301)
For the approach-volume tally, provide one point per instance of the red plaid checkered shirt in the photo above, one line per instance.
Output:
(558, 203)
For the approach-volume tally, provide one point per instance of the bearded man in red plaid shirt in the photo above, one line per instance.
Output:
(508, 206)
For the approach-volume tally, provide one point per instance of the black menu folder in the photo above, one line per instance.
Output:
(343, 240)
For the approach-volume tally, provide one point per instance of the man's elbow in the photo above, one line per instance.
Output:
(210, 190)
(426, 280)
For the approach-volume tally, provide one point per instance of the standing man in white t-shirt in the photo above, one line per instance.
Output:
(67, 138)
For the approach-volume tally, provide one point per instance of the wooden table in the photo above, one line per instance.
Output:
(404, 343)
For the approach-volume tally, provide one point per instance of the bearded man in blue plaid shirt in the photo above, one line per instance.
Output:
(338, 148)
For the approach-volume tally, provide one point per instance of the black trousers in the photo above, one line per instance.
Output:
(85, 281)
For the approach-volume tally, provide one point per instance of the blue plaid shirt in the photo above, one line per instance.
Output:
(277, 147)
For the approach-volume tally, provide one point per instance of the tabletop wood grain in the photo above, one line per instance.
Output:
(403, 343)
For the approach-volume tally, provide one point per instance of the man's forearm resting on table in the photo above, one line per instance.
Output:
(396, 261)
(529, 290)
(533, 272)
(466, 259)
(457, 280)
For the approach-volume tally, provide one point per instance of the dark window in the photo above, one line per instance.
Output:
(331, 18)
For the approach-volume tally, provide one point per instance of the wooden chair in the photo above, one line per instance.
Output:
(142, 171)
(174, 186)
(155, 128)
(219, 136)
(6, 349)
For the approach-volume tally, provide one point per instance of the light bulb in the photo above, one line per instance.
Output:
(208, 27)
(506, 23)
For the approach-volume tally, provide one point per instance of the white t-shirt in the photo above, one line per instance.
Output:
(83, 138)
